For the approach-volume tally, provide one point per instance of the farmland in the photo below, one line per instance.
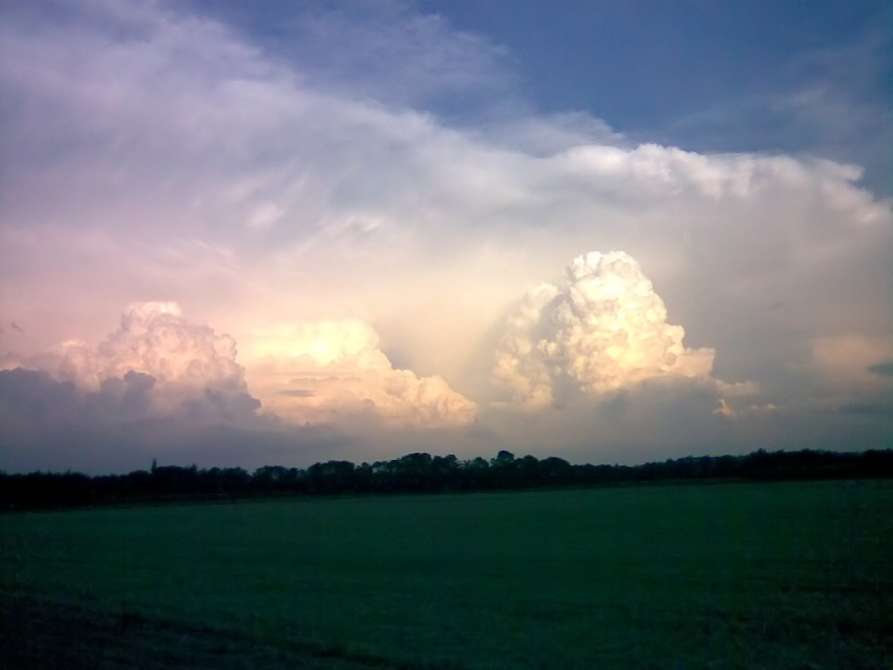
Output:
(773, 575)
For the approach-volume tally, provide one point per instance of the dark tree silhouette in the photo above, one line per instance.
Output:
(421, 472)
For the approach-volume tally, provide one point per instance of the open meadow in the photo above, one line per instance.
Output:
(781, 575)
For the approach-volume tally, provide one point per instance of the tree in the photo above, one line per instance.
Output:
(504, 458)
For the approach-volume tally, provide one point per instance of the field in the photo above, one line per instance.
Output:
(784, 575)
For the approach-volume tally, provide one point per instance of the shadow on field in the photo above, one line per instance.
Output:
(39, 634)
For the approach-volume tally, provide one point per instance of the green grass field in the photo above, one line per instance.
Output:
(787, 575)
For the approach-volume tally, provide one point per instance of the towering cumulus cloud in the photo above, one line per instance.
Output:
(171, 364)
(605, 330)
(326, 370)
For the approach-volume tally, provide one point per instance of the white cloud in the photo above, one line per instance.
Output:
(183, 363)
(335, 370)
(154, 338)
(389, 52)
(605, 330)
(319, 372)
(266, 215)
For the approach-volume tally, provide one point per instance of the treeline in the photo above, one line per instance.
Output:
(420, 472)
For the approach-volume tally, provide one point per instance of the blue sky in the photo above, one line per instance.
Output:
(715, 76)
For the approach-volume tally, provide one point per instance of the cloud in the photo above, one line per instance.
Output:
(551, 134)
(153, 338)
(160, 152)
(605, 330)
(156, 363)
(829, 100)
(853, 361)
(163, 383)
(884, 368)
(57, 425)
(330, 370)
(391, 53)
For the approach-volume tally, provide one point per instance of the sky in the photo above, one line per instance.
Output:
(282, 232)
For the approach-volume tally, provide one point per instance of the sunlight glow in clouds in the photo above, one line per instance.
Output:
(312, 373)
(323, 371)
(180, 361)
(161, 155)
(155, 339)
(605, 330)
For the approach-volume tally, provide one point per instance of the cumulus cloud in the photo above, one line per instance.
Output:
(250, 184)
(156, 363)
(330, 370)
(605, 330)
(159, 385)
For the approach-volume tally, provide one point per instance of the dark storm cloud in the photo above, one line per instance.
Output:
(48, 424)
(884, 369)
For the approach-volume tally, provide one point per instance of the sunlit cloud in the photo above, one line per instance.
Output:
(604, 330)
(365, 256)
(172, 361)
(330, 370)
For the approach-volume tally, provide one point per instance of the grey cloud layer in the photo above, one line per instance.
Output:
(54, 425)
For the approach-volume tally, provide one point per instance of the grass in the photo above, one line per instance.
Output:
(787, 575)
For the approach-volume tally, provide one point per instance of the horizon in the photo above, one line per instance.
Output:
(461, 462)
(421, 473)
(299, 232)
